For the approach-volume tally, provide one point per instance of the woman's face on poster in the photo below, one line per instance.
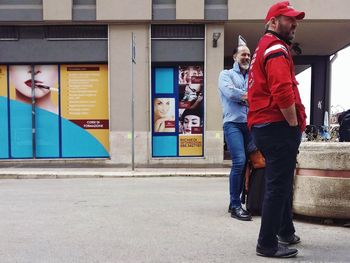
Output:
(44, 76)
(161, 107)
(189, 122)
(185, 76)
(195, 87)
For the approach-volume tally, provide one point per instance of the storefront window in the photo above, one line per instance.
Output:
(70, 114)
(178, 111)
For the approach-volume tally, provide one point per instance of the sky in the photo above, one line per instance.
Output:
(340, 83)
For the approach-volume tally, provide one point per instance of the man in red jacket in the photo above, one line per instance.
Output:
(276, 117)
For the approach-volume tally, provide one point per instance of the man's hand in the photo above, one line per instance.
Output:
(244, 99)
(290, 115)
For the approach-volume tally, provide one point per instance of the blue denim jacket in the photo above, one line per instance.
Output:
(232, 86)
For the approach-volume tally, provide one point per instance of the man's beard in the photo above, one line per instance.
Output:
(285, 32)
(244, 66)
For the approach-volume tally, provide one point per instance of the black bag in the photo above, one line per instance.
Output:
(344, 126)
(256, 191)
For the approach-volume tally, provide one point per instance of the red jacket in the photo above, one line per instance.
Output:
(272, 85)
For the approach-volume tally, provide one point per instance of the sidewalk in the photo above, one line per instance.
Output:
(38, 169)
(28, 172)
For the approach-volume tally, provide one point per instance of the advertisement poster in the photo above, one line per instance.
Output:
(191, 145)
(3, 113)
(70, 117)
(191, 117)
(164, 114)
(177, 111)
(45, 83)
(44, 80)
(84, 102)
(3, 81)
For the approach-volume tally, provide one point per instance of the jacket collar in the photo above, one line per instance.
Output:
(236, 67)
(279, 36)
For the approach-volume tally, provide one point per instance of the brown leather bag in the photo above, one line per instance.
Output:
(257, 160)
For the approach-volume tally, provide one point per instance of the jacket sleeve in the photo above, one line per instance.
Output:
(280, 80)
(227, 87)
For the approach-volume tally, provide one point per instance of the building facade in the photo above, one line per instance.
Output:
(136, 80)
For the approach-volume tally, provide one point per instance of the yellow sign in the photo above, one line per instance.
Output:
(84, 99)
(3, 80)
(191, 145)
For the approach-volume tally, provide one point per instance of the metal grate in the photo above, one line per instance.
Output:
(216, 2)
(164, 2)
(8, 33)
(84, 2)
(177, 32)
(76, 32)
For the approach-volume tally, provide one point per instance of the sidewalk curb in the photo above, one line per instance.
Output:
(71, 174)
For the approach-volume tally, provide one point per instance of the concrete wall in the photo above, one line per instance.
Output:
(314, 9)
(214, 64)
(123, 10)
(322, 182)
(324, 156)
(57, 10)
(189, 9)
(324, 197)
(120, 92)
(139, 10)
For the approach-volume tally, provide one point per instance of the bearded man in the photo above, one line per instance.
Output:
(277, 119)
(233, 95)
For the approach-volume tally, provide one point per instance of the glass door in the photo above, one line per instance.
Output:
(34, 111)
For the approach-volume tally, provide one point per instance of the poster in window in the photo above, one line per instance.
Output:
(84, 103)
(45, 80)
(191, 145)
(191, 95)
(190, 87)
(4, 149)
(164, 114)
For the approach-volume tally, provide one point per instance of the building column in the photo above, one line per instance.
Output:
(120, 93)
(214, 63)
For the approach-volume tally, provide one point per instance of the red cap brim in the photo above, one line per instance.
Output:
(293, 13)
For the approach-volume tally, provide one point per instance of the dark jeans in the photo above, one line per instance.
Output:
(239, 143)
(279, 144)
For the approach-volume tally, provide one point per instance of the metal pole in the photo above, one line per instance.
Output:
(33, 113)
(133, 62)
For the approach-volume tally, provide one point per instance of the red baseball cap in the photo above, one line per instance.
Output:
(283, 9)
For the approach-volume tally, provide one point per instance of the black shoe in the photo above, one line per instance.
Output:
(229, 209)
(240, 214)
(282, 252)
(291, 240)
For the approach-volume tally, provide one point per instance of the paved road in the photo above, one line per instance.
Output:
(169, 219)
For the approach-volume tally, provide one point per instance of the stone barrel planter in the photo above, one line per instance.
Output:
(322, 181)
